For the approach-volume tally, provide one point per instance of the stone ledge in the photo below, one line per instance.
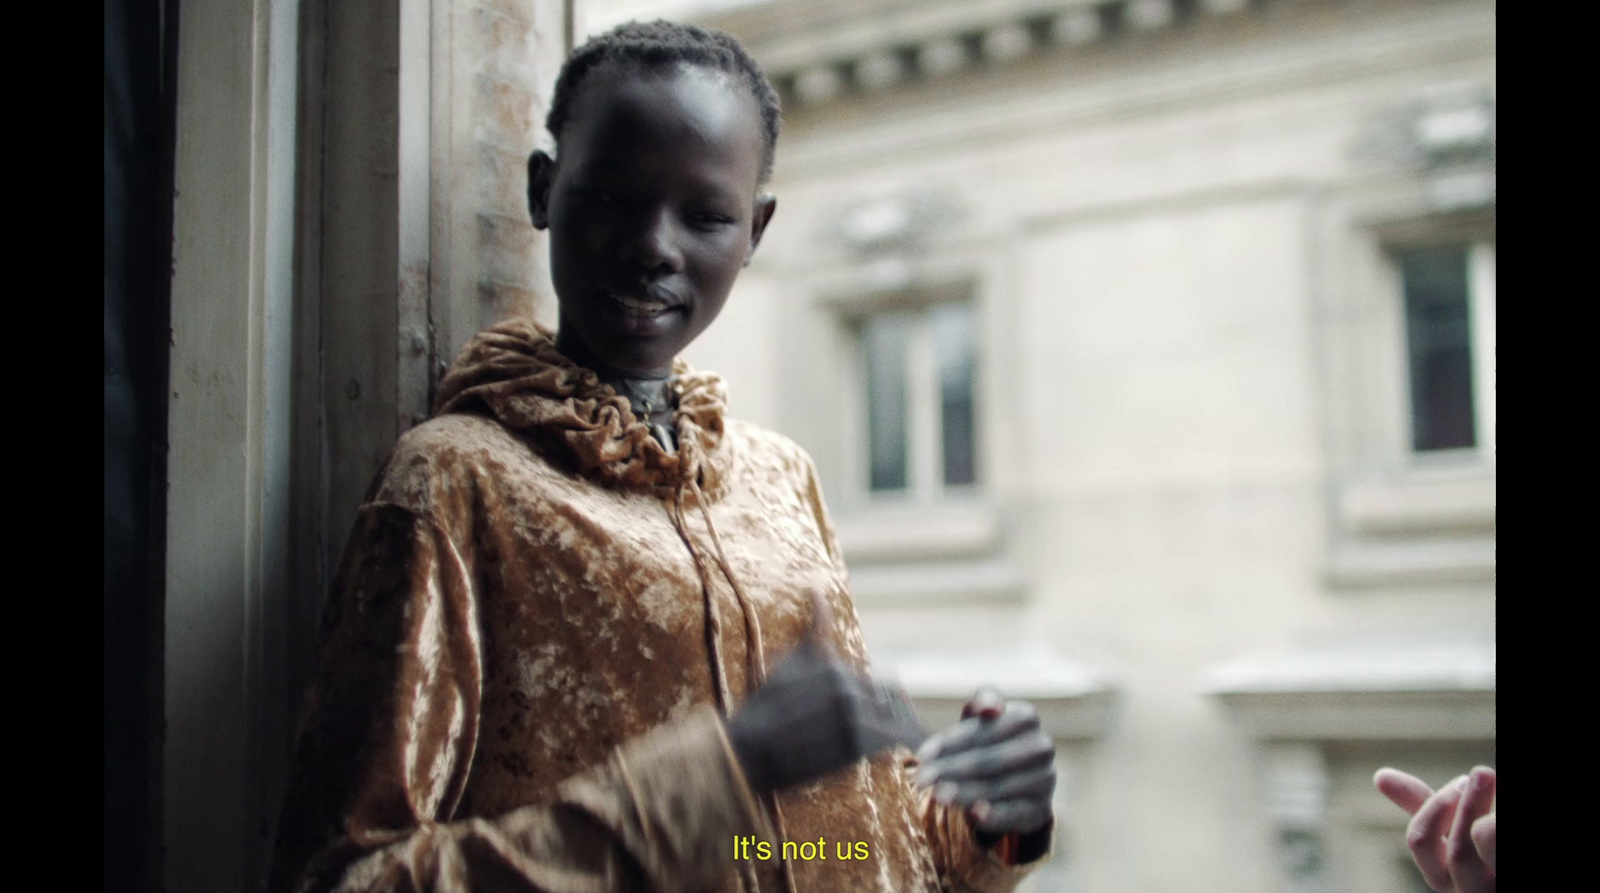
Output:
(1074, 700)
(1414, 504)
(1359, 563)
(820, 51)
(1394, 689)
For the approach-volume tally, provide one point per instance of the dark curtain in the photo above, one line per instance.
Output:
(138, 210)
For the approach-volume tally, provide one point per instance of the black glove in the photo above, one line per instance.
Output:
(996, 762)
(815, 715)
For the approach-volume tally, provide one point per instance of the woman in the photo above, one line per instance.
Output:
(546, 658)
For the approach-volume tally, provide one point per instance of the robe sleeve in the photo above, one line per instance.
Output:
(387, 739)
(964, 865)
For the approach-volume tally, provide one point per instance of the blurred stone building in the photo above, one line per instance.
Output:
(1146, 349)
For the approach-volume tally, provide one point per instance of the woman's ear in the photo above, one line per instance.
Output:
(541, 173)
(766, 204)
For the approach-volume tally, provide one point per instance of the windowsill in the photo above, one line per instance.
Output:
(1423, 500)
(911, 531)
(1390, 563)
(1434, 522)
(1073, 701)
(1440, 690)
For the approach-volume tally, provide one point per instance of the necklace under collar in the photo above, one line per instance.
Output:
(653, 401)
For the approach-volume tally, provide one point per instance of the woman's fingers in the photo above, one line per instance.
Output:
(1483, 839)
(1451, 834)
(978, 717)
(1037, 784)
(987, 703)
(1403, 789)
(999, 760)
(1018, 718)
(1011, 816)
(1426, 834)
(1469, 870)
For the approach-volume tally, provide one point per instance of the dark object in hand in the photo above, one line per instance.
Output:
(997, 763)
(815, 715)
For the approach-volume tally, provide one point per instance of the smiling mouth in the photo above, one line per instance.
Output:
(641, 306)
(645, 305)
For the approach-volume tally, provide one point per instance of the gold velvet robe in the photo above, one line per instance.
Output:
(535, 625)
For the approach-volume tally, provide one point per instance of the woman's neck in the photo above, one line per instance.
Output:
(575, 350)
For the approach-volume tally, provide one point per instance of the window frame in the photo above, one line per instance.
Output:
(924, 440)
(1398, 517)
(1480, 259)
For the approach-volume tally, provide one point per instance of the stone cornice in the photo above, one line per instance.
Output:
(1442, 690)
(822, 50)
(1422, 40)
(1074, 700)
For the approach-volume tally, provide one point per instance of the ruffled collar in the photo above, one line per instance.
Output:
(514, 372)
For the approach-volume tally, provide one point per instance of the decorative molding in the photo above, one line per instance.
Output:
(1003, 43)
(1297, 799)
(1418, 504)
(1370, 562)
(795, 40)
(1149, 15)
(1418, 41)
(881, 69)
(1449, 127)
(1364, 691)
(1077, 27)
(895, 222)
(941, 56)
(816, 85)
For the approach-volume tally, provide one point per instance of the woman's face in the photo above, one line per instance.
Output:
(652, 211)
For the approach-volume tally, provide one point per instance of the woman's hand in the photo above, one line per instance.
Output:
(996, 762)
(815, 715)
(1451, 834)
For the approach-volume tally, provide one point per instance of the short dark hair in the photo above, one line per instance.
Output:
(658, 44)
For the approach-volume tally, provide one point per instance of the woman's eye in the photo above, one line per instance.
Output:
(709, 220)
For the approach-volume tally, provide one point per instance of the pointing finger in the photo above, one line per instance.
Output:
(1037, 784)
(1403, 790)
(1019, 718)
(1008, 816)
(993, 762)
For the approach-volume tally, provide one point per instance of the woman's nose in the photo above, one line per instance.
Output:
(652, 243)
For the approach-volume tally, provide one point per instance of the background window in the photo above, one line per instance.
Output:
(1449, 315)
(954, 349)
(885, 340)
(920, 369)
